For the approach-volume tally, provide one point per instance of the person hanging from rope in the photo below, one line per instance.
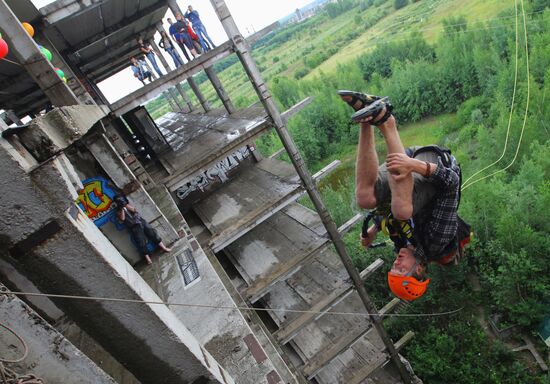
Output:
(140, 230)
(414, 196)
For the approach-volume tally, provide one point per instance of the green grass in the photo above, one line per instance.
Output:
(372, 26)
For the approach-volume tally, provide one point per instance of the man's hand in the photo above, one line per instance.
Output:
(371, 236)
(399, 165)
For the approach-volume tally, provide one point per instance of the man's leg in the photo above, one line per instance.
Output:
(202, 30)
(402, 189)
(366, 169)
(184, 50)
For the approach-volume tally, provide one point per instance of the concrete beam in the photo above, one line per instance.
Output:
(187, 70)
(322, 359)
(61, 251)
(127, 23)
(220, 90)
(62, 9)
(29, 56)
(287, 331)
(282, 272)
(50, 355)
(263, 213)
(379, 361)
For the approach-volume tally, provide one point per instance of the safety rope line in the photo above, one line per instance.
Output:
(225, 307)
(22, 343)
(526, 105)
(511, 106)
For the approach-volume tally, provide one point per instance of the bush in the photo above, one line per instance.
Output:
(398, 4)
(301, 73)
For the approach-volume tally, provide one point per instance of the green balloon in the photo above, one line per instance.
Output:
(46, 53)
(60, 73)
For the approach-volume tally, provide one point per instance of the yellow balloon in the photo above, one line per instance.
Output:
(28, 28)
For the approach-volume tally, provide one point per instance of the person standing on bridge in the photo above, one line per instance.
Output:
(167, 45)
(205, 40)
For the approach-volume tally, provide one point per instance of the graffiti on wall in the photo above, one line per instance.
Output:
(218, 172)
(96, 200)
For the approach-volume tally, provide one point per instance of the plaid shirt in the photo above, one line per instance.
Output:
(435, 227)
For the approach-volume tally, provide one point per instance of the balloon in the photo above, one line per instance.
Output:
(45, 52)
(60, 73)
(28, 28)
(3, 48)
(64, 80)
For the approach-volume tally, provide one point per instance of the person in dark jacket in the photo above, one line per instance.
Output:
(140, 229)
(176, 37)
(182, 28)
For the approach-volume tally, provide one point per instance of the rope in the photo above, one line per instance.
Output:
(526, 105)
(12, 62)
(10, 377)
(233, 308)
(511, 106)
(22, 343)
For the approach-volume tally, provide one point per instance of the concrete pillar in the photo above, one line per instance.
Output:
(217, 84)
(50, 355)
(29, 56)
(46, 237)
(174, 95)
(160, 56)
(106, 155)
(59, 61)
(13, 117)
(195, 88)
(185, 97)
(171, 101)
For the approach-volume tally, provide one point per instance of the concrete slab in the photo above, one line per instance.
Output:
(255, 194)
(290, 232)
(223, 333)
(200, 141)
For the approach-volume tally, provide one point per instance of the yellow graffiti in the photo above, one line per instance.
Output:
(92, 208)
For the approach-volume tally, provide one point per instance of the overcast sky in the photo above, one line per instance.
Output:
(250, 16)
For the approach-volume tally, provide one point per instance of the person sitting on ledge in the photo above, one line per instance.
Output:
(141, 72)
(140, 229)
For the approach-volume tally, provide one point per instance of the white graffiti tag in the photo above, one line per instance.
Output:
(213, 174)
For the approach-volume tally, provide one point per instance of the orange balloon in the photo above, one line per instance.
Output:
(28, 28)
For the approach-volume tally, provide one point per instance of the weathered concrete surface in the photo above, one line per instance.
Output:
(62, 251)
(51, 356)
(248, 199)
(47, 135)
(122, 176)
(200, 141)
(288, 233)
(221, 331)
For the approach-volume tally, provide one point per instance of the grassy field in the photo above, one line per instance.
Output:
(342, 39)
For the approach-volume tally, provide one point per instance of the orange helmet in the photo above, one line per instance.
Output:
(407, 287)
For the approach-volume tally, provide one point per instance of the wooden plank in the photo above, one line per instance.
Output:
(288, 331)
(379, 361)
